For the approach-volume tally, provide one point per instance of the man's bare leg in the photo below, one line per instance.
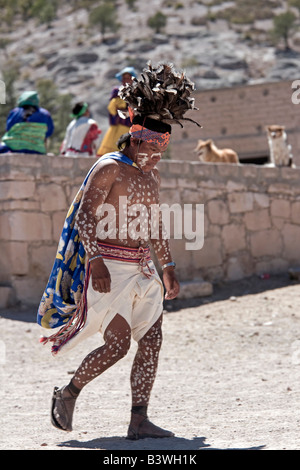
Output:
(143, 374)
(117, 342)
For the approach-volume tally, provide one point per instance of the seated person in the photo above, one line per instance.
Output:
(81, 135)
(27, 126)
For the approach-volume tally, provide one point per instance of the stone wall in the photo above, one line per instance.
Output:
(35, 193)
(251, 215)
(251, 218)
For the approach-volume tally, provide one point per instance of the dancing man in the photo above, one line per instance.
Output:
(122, 293)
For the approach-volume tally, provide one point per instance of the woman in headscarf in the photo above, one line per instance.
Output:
(82, 133)
(27, 127)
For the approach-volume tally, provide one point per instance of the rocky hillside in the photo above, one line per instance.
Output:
(219, 44)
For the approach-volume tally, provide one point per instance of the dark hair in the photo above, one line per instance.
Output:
(77, 108)
(152, 124)
(124, 141)
(28, 110)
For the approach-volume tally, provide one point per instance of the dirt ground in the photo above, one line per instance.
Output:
(228, 377)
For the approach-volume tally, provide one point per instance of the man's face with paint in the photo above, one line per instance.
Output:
(148, 155)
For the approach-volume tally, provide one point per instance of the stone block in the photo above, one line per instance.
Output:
(193, 289)
(269, 173)
(71, 192)
(240, 202)
(20, 174)
(52, 197)
(214, 230)
(212, 185)
(234, 270)
(5, 231)
(282, 188)
(169, 196)
(295, 212)
(27, 160)
(58, 219)
(291, 237)
(239, 267)
(168, 182)
(20, 204)
(42, 259)
(228, 171)
(84, 164)
(291, 174)
(278, 223)
(29, 226)
(187, 183)
(234, 238)
(258, 220)
(280, 208)
(235, 186)
(5, 263)
(210, 255)
(266, 243)
(181, 256)
(17, 190)
(218, 212)
(192, 196)
(209, 194)
(19, 264)
(261, 200)
(203, 171)
(63, 163)
(271, 266)
(7, 297)
(177, 168)
(249, 171)
(77, 182)
(29, 290)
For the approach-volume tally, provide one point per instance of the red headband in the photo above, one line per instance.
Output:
(146, 135)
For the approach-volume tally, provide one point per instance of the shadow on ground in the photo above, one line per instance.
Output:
(120, 443)
(225, 290)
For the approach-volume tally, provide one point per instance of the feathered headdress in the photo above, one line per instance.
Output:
(161, 94)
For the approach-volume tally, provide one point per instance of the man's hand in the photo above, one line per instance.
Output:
(171, 284)
(101, 280)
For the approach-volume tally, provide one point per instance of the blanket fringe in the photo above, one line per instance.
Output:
(74, 324)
